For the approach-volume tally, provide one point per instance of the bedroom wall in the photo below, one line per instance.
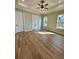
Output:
(52, 21)
(25, 21)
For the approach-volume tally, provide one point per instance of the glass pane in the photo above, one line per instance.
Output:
(60, 21)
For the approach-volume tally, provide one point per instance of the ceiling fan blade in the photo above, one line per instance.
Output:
(46, 8)
(42, 1)
(46, 4)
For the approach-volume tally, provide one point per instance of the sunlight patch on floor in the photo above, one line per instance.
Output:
(45, 32)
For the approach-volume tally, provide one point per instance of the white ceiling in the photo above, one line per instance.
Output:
(31, 5)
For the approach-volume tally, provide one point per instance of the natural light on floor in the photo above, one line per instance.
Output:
(45, 33)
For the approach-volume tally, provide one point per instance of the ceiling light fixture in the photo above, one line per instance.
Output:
(42, 6)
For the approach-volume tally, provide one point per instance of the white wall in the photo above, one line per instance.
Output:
(26, 21)
(52, 22)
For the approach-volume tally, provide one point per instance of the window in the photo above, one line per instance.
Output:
(45, 20)
(60, 21)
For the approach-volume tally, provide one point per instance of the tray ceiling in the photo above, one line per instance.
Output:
(31, 5)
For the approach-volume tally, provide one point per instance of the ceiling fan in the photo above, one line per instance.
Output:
(42, 5)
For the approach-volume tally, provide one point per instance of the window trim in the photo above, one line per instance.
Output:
(56, 23)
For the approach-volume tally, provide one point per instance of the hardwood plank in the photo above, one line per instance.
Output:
(33, 45)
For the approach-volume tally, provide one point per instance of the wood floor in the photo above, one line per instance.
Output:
(37, 45)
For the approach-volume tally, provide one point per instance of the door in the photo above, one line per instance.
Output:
(18, 21)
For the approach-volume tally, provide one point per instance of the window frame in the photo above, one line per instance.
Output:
(57, 22)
